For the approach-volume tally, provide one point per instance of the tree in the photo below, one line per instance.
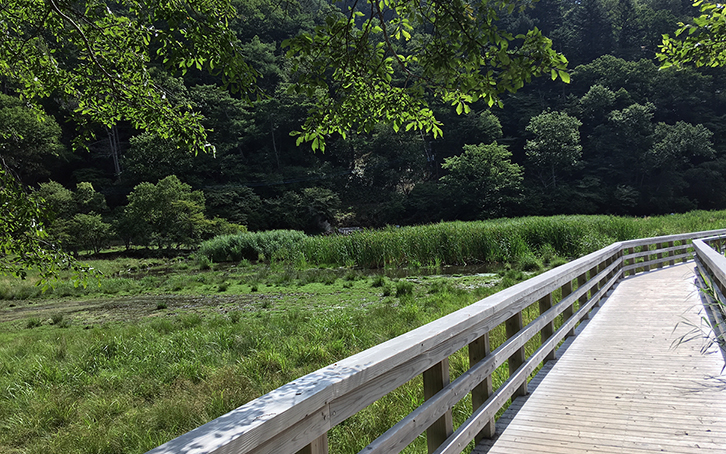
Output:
(89, 232)
(482, 181)
(24, 243)
(701, 42)
(28, 139)
(379, 61)
(167, 213)
(555, 146)
(97, 56)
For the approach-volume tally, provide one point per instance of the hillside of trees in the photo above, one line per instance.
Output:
(623, 137)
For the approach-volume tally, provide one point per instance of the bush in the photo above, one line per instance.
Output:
(404, 288)
(273, 244)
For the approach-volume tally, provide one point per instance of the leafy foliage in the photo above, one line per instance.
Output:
(700, 42)
(24, 240)
(98, 55)
(378, 65)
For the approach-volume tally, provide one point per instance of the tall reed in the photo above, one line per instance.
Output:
(457, 243)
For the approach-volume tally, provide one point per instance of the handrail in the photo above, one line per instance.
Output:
(297, 416)
(712, 267)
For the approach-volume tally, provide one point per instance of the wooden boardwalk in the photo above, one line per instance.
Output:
(622, 386)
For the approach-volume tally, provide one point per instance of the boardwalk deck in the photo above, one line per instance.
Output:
(622, 387)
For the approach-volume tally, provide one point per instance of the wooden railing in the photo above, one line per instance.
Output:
(297, 417)
(711, 280)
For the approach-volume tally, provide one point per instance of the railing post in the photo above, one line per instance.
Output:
(685, 243)
(647, 257)
(434, 380)
(478, 350)
(570, 311)
(671, 253)
(594, 289)
(660, 254)
(512, 327)
(600, 268)
(318, 446)
(632, 261)
(545, 304)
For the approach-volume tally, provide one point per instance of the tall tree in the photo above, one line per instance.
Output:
(555, 146)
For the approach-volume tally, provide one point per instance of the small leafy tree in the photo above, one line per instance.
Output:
(169, 212)
(555, 146)
(482, 181)
(89, 232)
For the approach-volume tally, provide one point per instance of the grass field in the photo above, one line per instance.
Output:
(160, 346)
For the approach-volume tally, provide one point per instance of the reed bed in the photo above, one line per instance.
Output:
(461, 243)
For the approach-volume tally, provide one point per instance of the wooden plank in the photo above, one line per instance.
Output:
(545, 304)
(682, 257)
(478, 351)
(632, 260)
(566, 291)
(469, 428)
(609, 393)
(677, 237)
(299, 437)
(513, 326)
(319, 446)
(434, 380)
(662, 250)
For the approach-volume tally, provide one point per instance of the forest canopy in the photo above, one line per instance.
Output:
(415, 104)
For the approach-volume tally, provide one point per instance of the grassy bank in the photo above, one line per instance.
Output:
(128, 375)
(459, 243)
(160, 346)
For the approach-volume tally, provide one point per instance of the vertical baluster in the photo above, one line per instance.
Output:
(660, 254)
(671, 253)
(434, 380)
(685, 243)
(512, 327)
(478, 350)
(600, 268)
(647, 257)
(570, 311)
(594, 289)
(318, 446)
(545, 303)
(631, 261)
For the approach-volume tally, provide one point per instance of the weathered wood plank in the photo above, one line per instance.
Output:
(434, 380)
(469, 428)
(644, 265)
(318, 446)
(611, 394)
(478, 351)
(545, 304)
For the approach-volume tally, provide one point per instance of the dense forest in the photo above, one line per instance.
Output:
(623, 137)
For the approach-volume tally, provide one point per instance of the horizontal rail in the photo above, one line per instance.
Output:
(712, 265)
(299, 414)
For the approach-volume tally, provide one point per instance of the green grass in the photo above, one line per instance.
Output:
(133, 382)
(460, 243)
(159, 346)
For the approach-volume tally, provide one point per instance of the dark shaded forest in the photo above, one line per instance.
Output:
(623, 137)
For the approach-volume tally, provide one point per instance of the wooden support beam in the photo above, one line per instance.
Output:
(318, 446)
(478, 350)
(660, 254)
(512, 327)
(670, 254)
(647, 257)
(545, 304)
(631, 251)
(434, 380)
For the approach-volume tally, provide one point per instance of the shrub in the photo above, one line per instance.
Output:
(403, 288)
(273, 244)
